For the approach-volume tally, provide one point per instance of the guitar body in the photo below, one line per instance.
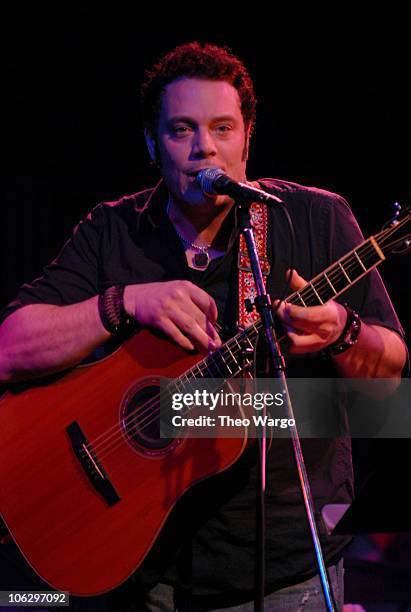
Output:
(76, 538)
(84, 492)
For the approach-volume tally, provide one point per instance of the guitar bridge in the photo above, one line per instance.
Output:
(90, 464)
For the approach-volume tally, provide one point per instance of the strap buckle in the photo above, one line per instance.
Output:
(245, 266)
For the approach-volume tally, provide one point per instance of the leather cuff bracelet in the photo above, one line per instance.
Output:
(111, 309)
(349, 335)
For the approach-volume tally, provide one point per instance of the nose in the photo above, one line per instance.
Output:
(203, 144)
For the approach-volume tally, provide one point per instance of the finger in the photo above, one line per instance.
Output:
(297, 317)
(204, 323)
(205, 302)
(278, 308)
(301, 316)
(289, 311)
(172, 331)
(213, 334)
(290, 323)
(196, 332)
(297, 282)
(330, 318)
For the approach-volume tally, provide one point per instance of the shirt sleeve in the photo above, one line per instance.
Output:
(369, 295)
(73, 276)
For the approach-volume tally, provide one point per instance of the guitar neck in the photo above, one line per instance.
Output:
(340, 276)
(337, 278)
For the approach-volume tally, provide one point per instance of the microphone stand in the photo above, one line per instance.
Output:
(262, 303)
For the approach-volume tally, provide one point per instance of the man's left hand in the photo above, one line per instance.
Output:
(312, 328)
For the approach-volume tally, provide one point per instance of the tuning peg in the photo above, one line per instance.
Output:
(396, 206)
(397, 209)
(403, 248)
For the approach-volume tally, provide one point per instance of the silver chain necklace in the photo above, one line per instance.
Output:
(202, 259)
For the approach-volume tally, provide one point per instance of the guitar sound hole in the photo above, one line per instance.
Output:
(141, 419)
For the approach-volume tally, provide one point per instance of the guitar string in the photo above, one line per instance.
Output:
(307, 289)
(365, 246)
(137, 416)
(146, 408)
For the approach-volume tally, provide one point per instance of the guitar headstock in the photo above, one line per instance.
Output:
(395, 237)
(395, 216)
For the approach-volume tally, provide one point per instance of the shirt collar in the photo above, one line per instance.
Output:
(155, 211)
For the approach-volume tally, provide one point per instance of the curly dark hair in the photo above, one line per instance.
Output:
(197, 61)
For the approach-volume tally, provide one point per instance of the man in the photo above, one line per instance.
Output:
(139, 259)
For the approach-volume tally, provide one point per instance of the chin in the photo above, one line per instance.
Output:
(213, 202)
(195, 198)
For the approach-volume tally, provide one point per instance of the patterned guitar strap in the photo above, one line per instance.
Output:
(246, 288)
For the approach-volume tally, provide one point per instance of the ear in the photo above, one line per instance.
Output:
(247, 144)
(151, 145)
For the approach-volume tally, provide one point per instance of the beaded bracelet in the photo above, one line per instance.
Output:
(349, 335)
(111, 309)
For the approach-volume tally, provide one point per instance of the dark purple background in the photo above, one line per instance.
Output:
(333, 112)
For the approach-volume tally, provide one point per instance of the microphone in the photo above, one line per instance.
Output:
(213, 181)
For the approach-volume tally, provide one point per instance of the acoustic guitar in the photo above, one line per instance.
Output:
(86, 483)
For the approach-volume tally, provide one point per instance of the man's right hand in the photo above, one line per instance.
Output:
(180, 309)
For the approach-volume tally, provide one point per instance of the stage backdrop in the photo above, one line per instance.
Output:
(333, 112)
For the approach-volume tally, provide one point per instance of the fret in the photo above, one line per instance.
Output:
(178, 384)
(338, 280)
(207, 365)
(344, 272)
(236, 341)
(199, 370)
(360, 261)
(371, 254)
(212, 362)
(182, 383)
(232, 356)
(355, 266)
(316, 293)
(226, 364)
(300, 298)
(330, 283)
(251, 345)
(241, 339)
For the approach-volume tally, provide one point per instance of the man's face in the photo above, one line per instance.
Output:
(200, 126)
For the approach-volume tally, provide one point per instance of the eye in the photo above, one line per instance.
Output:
(223, 129)
(179, 131)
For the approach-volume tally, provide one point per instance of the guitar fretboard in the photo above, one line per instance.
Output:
(340, 276)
